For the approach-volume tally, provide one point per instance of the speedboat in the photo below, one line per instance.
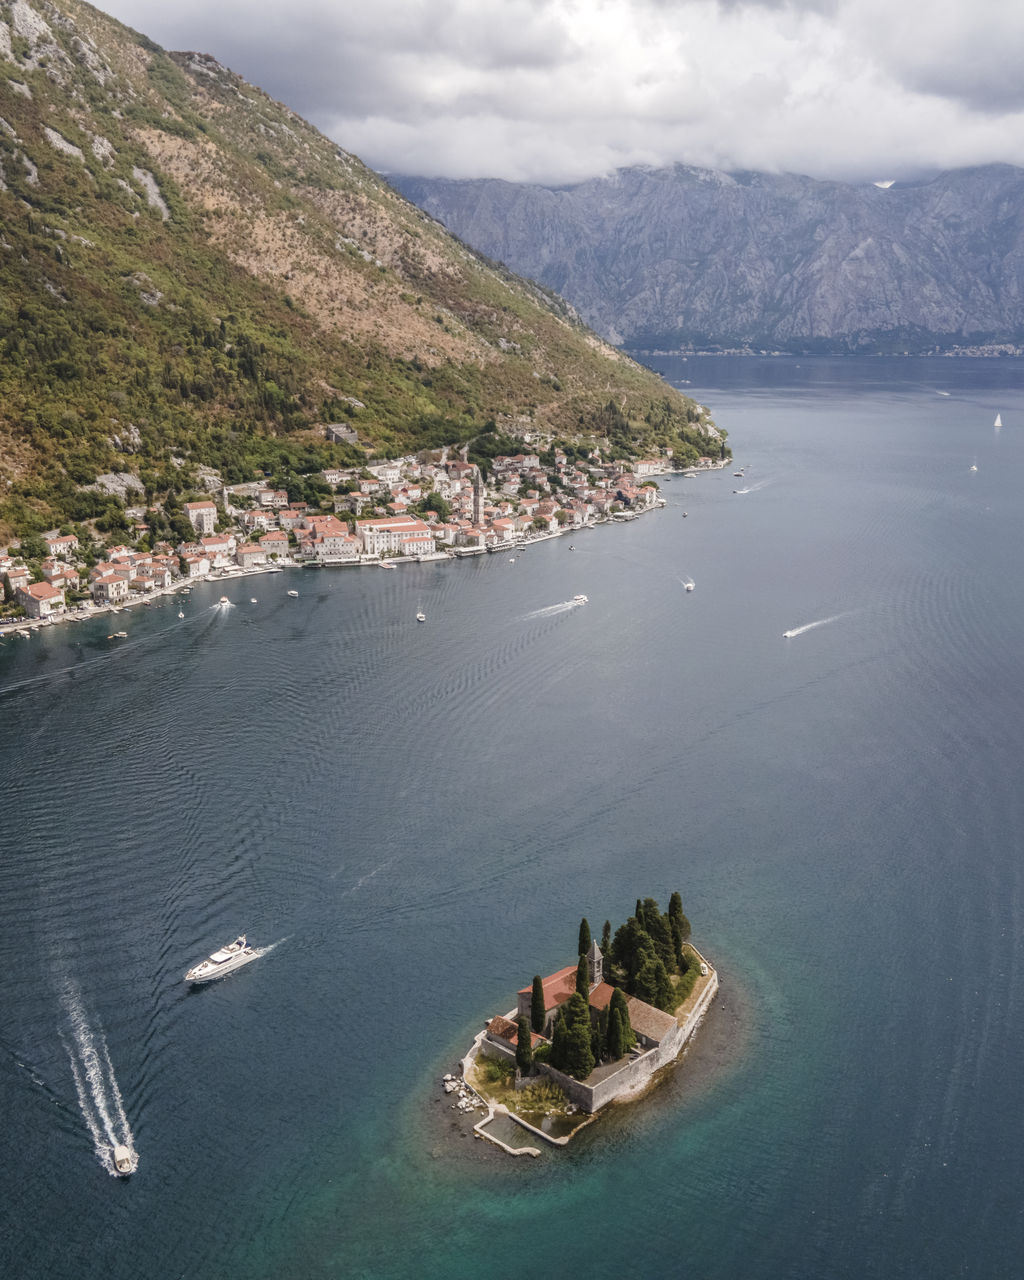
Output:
(293, 594)
(689, 586)
(224, 600)
(421, 616)
(225, 960)
(126, 1161)
(180, 614)
(253, 600)
(580, 599)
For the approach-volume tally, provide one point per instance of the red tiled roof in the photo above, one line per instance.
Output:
(558, 987)
(600, 996)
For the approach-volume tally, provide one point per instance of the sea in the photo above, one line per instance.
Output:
(821, 747)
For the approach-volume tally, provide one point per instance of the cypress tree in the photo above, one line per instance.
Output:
(579, 1058)
(577, 1011)
(606, 937)
(558, 1035)
(583, 977)
(614, 1037)
(537, 1006)
(675, 912)
(584, 942)
(677, 945)
(524, 1047)
(618, 1012)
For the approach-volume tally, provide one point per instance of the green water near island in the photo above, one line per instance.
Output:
(418, 815)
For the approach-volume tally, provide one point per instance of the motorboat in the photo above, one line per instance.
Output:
(293, 594)
(180, 614)
(126, 1160)
(580, 599)
(689, 586)
(253, 600)
(224, 600)
(225, 960)
(421, 616)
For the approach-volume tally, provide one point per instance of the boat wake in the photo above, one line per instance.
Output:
(265, 951)
(114, 655)
(553, 609)
(99, 1097)
(810, 626)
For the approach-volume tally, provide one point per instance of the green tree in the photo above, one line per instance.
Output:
(653, 985)
(537, 1010)
(524, 1047)
(606, 937)
(675, 912)
(621, 1037)
(583, 977)
(584, 941)
(577, 1057)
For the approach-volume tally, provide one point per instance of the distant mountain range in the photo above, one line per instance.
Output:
(699, 259)
(191, 276)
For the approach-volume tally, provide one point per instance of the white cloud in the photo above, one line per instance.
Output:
(557, 90)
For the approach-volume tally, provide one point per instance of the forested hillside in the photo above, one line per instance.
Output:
(191, 275)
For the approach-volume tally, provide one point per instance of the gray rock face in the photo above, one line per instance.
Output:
(692, 257)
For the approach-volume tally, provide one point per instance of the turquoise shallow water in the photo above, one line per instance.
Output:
(417, 816)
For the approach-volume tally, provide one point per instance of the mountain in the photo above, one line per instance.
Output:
(192, 276)
(685, 257)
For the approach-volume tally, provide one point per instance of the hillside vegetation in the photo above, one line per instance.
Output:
(191, 275)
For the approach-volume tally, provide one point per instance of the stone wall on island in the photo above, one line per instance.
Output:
(635, 1073)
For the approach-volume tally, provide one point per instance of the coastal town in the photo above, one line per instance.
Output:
(380, 514)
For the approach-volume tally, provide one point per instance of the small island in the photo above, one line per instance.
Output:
(591, 1033)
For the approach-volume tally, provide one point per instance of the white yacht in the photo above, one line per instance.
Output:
(580, 599)
(226, 960)
(421, 616)
(126, 1160)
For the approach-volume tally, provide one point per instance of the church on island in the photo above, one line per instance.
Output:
(588, 1036)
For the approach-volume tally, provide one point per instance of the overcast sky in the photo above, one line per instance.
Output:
(555, 91)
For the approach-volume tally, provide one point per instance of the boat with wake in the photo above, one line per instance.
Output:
(580, 599)
(126, 1160)
(223, 961)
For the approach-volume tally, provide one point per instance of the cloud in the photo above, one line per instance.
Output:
(559, 90)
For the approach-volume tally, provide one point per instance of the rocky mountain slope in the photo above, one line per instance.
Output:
(191, 275)
(681, 256)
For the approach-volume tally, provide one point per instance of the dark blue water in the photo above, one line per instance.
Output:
(417, 816)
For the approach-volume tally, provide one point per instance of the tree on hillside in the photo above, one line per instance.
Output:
(524, 1047)
(606, 937)
(537, 1006)
(584, 940)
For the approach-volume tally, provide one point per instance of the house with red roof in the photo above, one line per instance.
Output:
(41, 600)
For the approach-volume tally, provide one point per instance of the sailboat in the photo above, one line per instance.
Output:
(998, 422)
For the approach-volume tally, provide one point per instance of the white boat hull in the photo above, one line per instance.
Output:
(222, 962)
